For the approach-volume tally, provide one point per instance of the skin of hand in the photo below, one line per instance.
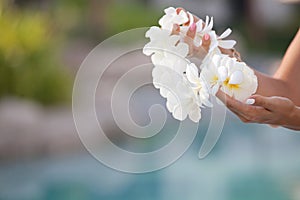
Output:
(198, 52)
(276, 111)
(201, 51)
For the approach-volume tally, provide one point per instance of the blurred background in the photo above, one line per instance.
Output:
(43, 43)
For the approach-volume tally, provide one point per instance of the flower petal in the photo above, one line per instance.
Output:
(199, 26)
(225, 34)
(211, 24)
(227, 44)
(215, 89)
(179, 112)
(236, 78)
(206, 21)
(192, 73)
(173, 40)
(170, 10)
(157, 58)
(153, 32)
(147, 50)
(195, 114)
(183, 17)
(182, 49)
(214, 43)
(164, 92)
(222, 73)
(191, 18)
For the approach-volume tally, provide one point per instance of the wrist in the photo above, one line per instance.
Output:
(294, 119)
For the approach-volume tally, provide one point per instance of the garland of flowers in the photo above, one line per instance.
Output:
(187, 87)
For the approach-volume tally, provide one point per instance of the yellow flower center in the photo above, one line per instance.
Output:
(214, 80)
(231, 86)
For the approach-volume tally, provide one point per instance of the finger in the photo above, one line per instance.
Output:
(240, 116)
(243, 119)
(231, 53)
(176, 29)
(223, 97)
(204, 48)
(228, 52)
(249, 112)
(262, 101)
(230, 102)
(192, 31)
(195, 18)
(206, 42)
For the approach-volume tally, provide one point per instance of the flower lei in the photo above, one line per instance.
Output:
(186, 89)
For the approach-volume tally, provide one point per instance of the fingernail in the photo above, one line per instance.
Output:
(193, 27)
(250, 101)
(206, 36)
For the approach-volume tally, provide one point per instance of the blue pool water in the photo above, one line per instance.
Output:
(250, 162)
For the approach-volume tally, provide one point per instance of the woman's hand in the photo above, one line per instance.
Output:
(275, 111)
(200, 51)
(194, 51)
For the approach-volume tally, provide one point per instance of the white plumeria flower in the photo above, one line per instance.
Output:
(236, 78)
(171, 17)
(198, 85)
(210, 72)
(182, 102)
(162, 80)
(218, 41)
(164, 47)
(165, 77)
(181, 98)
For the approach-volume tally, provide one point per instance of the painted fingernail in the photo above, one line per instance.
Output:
(193, 27)
(206, 36)
(250, 101)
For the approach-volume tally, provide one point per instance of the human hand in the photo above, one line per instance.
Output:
(194, 51)
(202, 50)
(275, 111)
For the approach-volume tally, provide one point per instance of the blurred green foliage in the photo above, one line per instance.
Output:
(28, 64)
(97, 20)
(124, 16)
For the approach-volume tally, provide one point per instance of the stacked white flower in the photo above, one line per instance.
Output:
(179, 80)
